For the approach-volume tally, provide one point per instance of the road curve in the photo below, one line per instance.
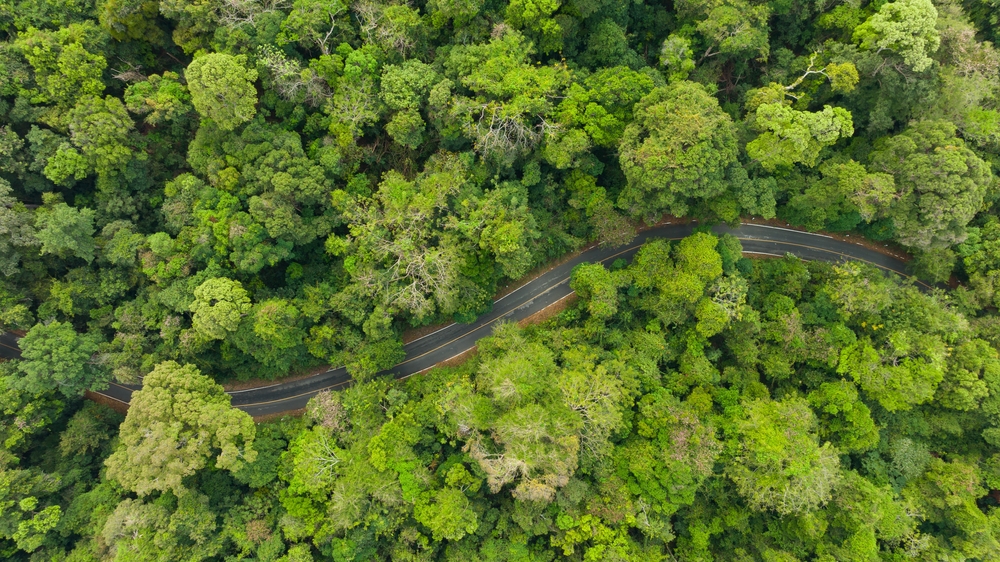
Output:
(546, 289)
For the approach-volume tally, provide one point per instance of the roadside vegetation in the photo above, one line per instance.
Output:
(200, 192)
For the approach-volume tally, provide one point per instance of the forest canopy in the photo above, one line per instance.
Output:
(198, 193)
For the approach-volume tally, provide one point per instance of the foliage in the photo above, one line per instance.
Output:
(251, 189)
(177, 422)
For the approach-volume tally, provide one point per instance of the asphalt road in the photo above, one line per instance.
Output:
(544, 290)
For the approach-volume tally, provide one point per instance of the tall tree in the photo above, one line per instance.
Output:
(780, 464)
(176, 423)
(676, 151)
(222, 89)
(56, 356)
(941, 184)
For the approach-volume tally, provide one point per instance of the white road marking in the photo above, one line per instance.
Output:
(435, 331)
(785, 229)
(765, 254)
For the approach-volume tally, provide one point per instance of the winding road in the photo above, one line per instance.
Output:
(546, 289)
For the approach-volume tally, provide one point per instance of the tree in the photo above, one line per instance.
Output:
(506, 117)
(970, 366)
(671, 455)
(23, 413)
(176, 423)
(946, 495)
(17, 232)
(531, 437)
(736, 27)
(843, 418)
(182, 528)
(65, 69)
(941, 184)
(791, 136)
(594, 113)
(100, 129)
(906, 27)
(448, 513)
(405, 89)
(677, 150)
(58, 357)
(222, 89)
(160, 98)
(536, 17)
(677, 56)
(779, 464)
(65, 231)
(314, 24)
(219, 306)
(598, 287)
(26, 511)
(845, 195)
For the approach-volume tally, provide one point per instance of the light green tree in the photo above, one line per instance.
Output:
(946, 496)
(677, 56)
(779, 464)
(17, 231)
(790, 136)
(222, 89)
(598, 287)
(65, 69)
(219, 306)
(100, 129)
(844, 419)
(906, 27)
(26, 515)
(160, 98)
(176, 423)
(536, 17)
(448, 513)
(736, 27)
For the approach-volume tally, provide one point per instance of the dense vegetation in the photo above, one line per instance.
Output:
(196, 191)
(692, 405)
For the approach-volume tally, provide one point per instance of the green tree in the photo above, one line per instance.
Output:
(65, 231)
(17, 233)
(789, 136)
(941, 184)
(946, 495)
(736, 27)
(100, 130)
(598, 287)
(970, 366)
(23, 413)
(314, 24)
(26, 511)
(779, 464)
(677, 56)
(676, 151)
(65, 69)
(177, 422)
(448, 513)
(219, 306)
(671, 455)
(505, 115)
(55, 356)
(222, 89)
(906, 27)
(160, 98)
(843, 418)
(536, 17)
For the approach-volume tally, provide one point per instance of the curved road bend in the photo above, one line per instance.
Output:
(547, 289)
